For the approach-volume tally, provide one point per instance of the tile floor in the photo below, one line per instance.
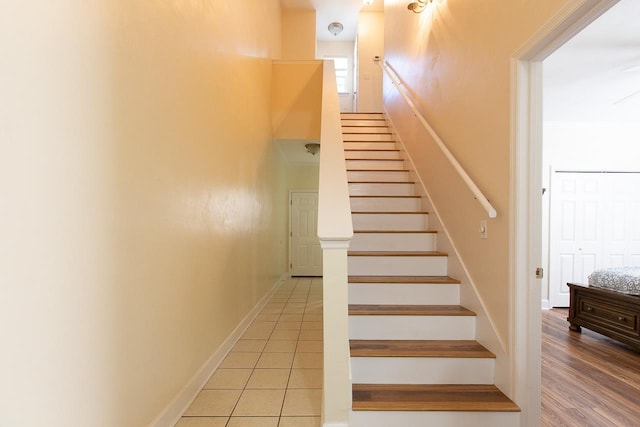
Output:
(273, 376)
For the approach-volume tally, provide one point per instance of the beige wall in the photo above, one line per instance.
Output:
(298, 34)
(455, 58)
(143, 204)
(370, 44)
(297, 99)
(301, 177)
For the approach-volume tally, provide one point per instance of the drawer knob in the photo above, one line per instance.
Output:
(622, 318)
(589, 308)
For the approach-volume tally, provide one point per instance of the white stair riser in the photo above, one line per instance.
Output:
(378, 176)
(422, 370)
(397, 265)
(382, 204)
(365, 129)
(362, 122)
(371, 154)
(395, 221)
(393, 242)
(398, 293)
(381, 189)
(362, 116)
(433, 418)
(412, 327)
(375, 164)
(362, 145)
(367, 137)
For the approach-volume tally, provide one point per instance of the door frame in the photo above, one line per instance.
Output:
(526, 201)
(290, 233)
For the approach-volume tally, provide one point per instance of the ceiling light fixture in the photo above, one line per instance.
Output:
(418, 6)
(312, 147)
(367, 2)
(335, 28)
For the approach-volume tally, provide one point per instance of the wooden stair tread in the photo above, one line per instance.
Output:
(430, 397)
(403, 279)
(396, 253)
(419, 348)
(395, 231)
(408, 310)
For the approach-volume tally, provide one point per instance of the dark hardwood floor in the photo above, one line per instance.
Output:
(587, 379)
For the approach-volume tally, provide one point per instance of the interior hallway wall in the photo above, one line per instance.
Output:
(143, 210)
(370, 45)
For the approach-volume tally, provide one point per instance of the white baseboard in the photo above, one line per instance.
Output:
(172, 413)
(546, 305)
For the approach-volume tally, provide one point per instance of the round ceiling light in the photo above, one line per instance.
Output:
(335, 28)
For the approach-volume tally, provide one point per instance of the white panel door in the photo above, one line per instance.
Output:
(594, 223)
(576, 231)
(306, 253)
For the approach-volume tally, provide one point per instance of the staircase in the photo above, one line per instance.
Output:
(414, 359)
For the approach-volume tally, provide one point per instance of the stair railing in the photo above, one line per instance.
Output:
(335, 231)
(398, 84)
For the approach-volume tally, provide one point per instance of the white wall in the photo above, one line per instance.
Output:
(141, 217)
(370, 44)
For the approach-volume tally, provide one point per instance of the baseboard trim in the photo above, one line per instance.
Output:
(546, 305)
(335, 425)
(172, 413)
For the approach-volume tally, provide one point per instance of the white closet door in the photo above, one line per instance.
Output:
(306, 253)
(594, 223)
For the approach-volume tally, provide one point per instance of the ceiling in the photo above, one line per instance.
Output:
(328, 11)
(596, 75)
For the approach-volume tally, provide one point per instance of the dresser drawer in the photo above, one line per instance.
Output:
(607, 314)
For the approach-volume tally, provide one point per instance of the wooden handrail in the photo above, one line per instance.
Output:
(397, 82)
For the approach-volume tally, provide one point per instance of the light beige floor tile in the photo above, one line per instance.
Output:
(237, 359)
(305, 378)
(281, 346)
(276, 360)
(228, 379)
(299, 422)
(253, 422)
(308, 361)
(302, 402)
(275, 304)
(269, 378)
(271, 311)
(284, 335)
(296, 305)
(258, 330)
(309, 347)
(213, 403)
(310, 335)
(202, 422)
(309, 325)
(250, 346)
(291, 317)
(265, 403)
(267, 317)
(291, 326)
